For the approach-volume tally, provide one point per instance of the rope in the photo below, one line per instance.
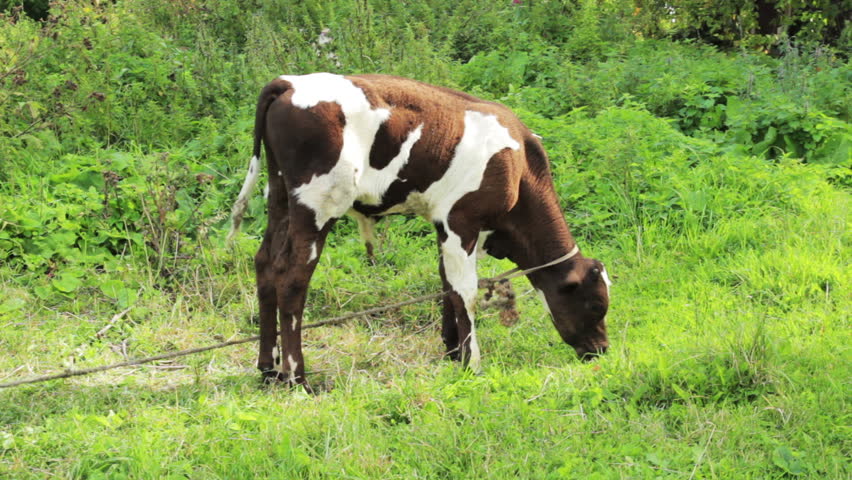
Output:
(331, 321)
(517, 272)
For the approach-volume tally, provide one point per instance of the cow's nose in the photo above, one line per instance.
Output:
(590, 352)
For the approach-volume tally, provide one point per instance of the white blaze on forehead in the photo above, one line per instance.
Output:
(294, 323)
(606, 280)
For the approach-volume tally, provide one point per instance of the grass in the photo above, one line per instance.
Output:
(729, 363)
(714, 185)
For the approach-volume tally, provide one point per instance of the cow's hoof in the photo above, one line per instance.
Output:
(453, 354)
(274, 377)
(308, 389)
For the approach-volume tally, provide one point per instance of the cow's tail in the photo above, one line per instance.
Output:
(267, 96)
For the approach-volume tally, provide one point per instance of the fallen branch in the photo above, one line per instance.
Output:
(115, 318)
(191, 351)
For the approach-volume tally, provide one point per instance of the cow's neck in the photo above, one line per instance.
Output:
(536, 230)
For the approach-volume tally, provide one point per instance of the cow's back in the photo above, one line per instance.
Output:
(392, 145)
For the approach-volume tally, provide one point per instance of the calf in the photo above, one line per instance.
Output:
(372, 145)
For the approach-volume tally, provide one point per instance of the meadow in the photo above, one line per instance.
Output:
(711, 177)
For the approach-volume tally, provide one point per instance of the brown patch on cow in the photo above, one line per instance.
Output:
(314, 138)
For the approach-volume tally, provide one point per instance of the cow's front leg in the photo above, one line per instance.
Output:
(458, 259)
(294, 266)
(449, 324)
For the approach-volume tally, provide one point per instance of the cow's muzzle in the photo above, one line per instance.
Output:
(591, 351)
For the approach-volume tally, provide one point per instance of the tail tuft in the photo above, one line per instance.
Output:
(267, 96)
(241, 204)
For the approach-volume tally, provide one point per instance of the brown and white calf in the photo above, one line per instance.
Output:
(372, 145)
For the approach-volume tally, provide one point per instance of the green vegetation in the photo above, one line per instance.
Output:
(704, 160)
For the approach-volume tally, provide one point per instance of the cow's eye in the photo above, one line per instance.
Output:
(568, 287)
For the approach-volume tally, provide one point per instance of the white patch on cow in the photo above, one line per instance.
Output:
(276, 359)
(416, 203)
(460, 270)
(294, 323)
(374, 183)
(475, 360)
(606, 280)
(242, 199)
(330, 195)
(480, 243)
(266, 191)
(313, 252)
(293, 365)
(280, 173)
(483, 137)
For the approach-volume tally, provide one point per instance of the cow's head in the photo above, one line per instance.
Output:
(576, 293)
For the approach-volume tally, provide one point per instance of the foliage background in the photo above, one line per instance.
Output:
(700, 149)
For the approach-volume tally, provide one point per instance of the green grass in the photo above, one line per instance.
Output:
(728, 359)
(714, 185)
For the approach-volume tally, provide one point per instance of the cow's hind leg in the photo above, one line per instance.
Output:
(293, 266)
(274, 240)
(458, 258)
(266, 296)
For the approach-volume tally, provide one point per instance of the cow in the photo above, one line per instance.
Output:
(374, 145)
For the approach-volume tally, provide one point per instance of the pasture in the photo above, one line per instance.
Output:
(714, 183)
